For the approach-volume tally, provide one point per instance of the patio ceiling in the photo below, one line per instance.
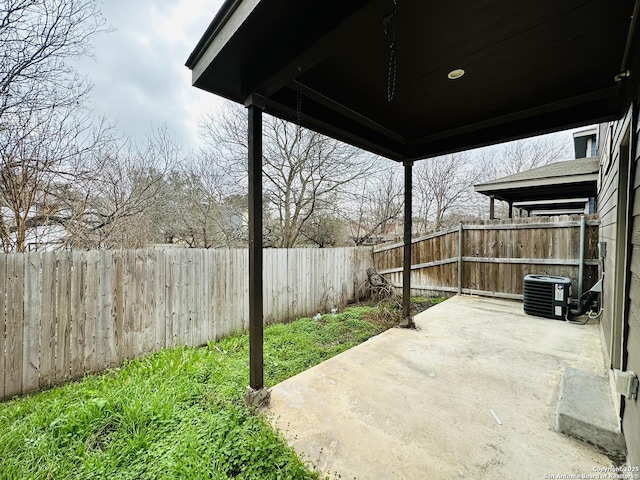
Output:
(531, 67)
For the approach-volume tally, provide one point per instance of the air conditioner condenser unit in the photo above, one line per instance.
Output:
(547, 296)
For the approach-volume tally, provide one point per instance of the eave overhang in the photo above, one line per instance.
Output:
(561, 180)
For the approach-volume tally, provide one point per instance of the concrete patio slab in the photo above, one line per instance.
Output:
(471, 394)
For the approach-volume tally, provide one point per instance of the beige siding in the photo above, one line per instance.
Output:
(620, 229)
(610, 197)
(631, 413)
(607, 201)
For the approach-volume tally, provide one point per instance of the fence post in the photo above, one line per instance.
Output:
(460, 229)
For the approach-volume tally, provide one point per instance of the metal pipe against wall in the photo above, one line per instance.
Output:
(627, 47)
(460, 229)
(583, 228)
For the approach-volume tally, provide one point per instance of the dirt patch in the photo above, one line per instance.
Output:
(388, 312)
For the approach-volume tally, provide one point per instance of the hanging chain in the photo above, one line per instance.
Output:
(393, 61)
(299, 104)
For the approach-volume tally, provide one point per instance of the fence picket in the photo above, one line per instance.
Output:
(129, 300)
(117, 309)
(138, 302)
(182, 318)
(3, 321)
(48, 321)
(158, 299)
(106, 339)
(31, 346)
(149, 310)
(14, 325)
(78, 295)
(167, 295)
(63, 327)
(92, 312)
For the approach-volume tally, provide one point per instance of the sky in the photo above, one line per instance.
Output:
(137, 69)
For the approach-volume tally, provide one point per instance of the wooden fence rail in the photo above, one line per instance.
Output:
(491, 258)
(68, 313)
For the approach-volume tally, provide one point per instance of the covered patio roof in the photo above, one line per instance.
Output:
(374, 73)
(410, 79)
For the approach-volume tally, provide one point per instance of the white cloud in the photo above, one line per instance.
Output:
(138, 72)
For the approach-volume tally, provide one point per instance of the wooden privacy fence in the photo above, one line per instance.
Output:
(67, 313)
(491, 258)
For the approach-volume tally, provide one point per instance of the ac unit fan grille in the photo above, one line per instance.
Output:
(546, 296)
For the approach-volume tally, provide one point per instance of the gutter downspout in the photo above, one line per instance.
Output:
(630, 32)
(460, 229)
(583, 226)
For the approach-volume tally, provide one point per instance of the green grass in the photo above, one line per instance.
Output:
(177, 414)
(436, 300)
(428, 300)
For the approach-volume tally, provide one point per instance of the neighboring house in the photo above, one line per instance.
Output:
(43, 232)
(585, 143)
(560, 188)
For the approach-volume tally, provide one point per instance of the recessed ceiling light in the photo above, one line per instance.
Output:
(455, 74)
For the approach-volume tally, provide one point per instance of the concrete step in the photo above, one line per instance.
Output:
(586, 412)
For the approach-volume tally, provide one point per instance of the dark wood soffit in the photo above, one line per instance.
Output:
(555, 192)
(533, 68)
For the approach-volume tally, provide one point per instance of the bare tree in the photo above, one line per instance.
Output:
(376, 206)
(516, 157)
(201, 213)
(40, 154)
(520, 155)
(324, 229)
(44, 136)
(39, 38)
(304, 171)
(121, 204)
(444, 185)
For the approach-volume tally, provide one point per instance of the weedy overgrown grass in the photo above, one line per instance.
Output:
(177, 414)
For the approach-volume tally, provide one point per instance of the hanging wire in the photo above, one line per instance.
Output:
(393, 60)
(299, 105)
